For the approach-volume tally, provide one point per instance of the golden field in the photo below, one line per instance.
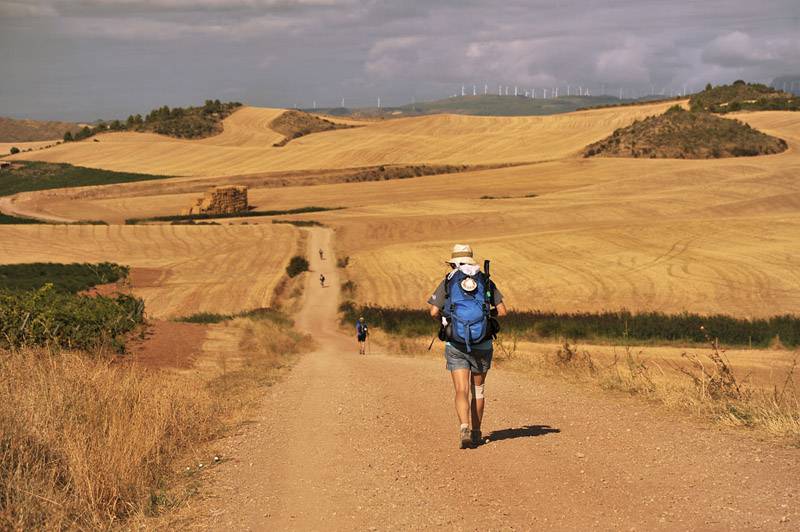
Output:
(670, 235)
(177, 270)
(245, 146)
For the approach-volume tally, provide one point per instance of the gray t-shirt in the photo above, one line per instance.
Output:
(437, 299)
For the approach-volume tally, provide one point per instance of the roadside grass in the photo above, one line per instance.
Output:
(704, 384)
(270, 314)
(27, 176)
(90, 443)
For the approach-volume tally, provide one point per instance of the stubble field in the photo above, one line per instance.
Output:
(564, 233)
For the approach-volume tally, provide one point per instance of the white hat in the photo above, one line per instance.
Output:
(462, 254)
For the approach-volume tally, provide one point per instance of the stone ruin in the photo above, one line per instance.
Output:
(220, 200)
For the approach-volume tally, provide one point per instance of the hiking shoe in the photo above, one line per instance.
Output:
(477, 438)
(465, 438)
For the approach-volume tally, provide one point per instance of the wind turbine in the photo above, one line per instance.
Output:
(545, 93)
(474, 91)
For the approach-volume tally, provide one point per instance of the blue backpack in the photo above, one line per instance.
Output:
(467, 312)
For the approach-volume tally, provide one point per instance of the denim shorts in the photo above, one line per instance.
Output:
(478, 361)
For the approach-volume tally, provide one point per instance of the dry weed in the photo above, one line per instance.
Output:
(86, 443)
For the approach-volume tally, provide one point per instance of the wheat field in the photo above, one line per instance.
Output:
(177, 270)
(245, 146)
(566, 233)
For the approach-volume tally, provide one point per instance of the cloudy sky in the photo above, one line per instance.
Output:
(87, 59)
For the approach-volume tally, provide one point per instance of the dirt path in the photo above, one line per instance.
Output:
(370, 443)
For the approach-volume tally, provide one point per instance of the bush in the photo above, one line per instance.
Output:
(14, 150)
(297, 265)
(46, 317)
(71, 278)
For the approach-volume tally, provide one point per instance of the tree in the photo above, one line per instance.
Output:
(68, 136)
(708, 86)
(14, 150)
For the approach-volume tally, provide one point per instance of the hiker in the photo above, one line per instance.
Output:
(467, 302)
(320, 254)
(362, 331)
(322, 280)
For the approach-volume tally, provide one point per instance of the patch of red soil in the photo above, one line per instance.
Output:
(138, 278)
(167, 344)
(147, 277)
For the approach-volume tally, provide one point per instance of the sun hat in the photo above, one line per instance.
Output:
(461, 254)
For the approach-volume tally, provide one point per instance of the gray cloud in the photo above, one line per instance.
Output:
(81, 59)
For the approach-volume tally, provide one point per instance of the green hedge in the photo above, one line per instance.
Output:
(47, 317)
(64, 277)
(622, 325)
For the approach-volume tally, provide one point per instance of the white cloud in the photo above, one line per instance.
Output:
(26, 9)
(625, 64)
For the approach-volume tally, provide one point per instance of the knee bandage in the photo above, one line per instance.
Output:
(477, 391)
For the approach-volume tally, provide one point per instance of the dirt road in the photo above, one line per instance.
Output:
(351, 442)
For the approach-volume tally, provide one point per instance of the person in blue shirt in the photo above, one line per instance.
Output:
(467, 364)
(362, 331)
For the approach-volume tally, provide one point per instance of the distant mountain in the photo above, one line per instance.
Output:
(787, 84)
(488, 105)
(14, 130)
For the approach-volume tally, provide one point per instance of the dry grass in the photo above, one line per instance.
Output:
(86, 443)
(704, 384)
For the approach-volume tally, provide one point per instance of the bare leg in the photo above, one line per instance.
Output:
(461, 385)
(476, 407)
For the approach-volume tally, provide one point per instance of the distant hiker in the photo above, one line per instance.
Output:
(467, 302)
(320, 254)
(322, 280)
(362, 331)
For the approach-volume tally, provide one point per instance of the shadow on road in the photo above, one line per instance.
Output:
(528, 431)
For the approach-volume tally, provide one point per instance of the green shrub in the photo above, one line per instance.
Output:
(47, 317)
(14, 150)
(30, 175)
(70, 278)
(602, 326)
(297, 265)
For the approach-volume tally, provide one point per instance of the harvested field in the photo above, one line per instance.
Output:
(5, 147)
(667, 235)
(177, 270)
(245, 146)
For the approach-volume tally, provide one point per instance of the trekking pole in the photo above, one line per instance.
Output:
(431, 344)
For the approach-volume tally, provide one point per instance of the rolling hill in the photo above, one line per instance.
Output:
(246, 144)
(682, 134)
(14, 131)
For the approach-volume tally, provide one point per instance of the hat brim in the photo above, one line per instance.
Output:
(461, 260)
